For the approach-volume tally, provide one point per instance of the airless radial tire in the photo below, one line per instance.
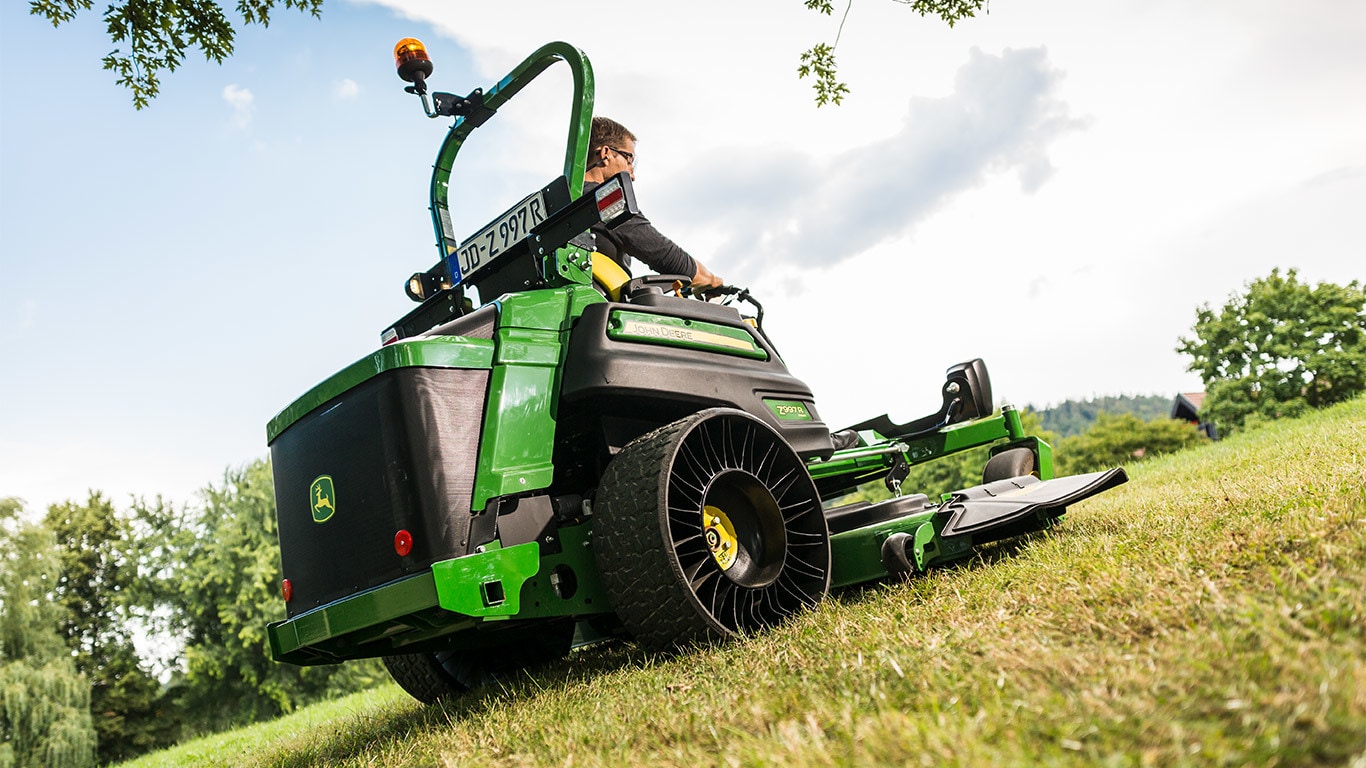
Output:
(708, 528)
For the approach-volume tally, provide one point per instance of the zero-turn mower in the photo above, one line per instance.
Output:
(585, 456)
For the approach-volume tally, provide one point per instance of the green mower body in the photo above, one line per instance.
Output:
(571, 462)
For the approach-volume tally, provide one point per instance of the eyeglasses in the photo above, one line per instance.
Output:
(630, 157)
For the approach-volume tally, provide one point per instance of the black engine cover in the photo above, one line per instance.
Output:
(650, 385)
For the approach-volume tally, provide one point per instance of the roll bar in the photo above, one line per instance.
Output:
(479, 106)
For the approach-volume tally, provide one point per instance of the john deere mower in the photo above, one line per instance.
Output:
(579, 456)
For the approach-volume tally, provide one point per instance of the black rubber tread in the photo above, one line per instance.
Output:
(631, 540)
(430, 677)
(1014, 462)
(642, 581)
(423, 677)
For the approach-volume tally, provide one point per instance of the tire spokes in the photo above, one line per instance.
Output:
(718, 451)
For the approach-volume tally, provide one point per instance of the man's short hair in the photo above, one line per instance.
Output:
(607, 132)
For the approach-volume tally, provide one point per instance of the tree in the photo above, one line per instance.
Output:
(219, 571)
(153, 35)
(96, 591)
(1073, 417)
(1279, 349)
(44, 701)
(818, 61)
(1123, 438)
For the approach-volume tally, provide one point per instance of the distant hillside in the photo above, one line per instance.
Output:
(1072, 417)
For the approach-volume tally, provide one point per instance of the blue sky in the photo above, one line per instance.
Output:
(1051, 188)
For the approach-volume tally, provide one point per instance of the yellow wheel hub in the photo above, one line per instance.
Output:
(720, 535)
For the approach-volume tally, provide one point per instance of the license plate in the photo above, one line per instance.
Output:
(505, 231)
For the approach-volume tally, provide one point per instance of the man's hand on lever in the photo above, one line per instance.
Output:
(704, 279)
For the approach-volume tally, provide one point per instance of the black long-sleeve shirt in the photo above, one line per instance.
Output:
(637, 238)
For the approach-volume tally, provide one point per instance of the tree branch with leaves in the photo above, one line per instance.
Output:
(818, 61)
(153, 35)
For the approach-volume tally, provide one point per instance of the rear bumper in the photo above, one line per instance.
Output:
(445, 606)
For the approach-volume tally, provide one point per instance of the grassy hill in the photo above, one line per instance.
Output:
(1210, 612)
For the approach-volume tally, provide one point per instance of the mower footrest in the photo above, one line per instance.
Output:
(996, 505)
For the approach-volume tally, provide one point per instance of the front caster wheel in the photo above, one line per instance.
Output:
(1013, 462)
(708, 528)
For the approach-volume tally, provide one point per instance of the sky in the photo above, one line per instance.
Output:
(1053, 187)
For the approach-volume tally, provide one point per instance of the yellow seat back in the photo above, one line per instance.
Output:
(609, 275)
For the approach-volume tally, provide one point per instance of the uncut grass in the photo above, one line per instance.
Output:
(1210, 612)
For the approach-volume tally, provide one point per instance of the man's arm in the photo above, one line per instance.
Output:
(642, 241)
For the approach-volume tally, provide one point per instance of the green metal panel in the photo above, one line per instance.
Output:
(957, 437)
(1045, 452)
(950, 439)
(435, 352)
(527, 346)
(526, 580)
(293, 640)
(518, 440)
(487, 584)
(540, 310)
(856, 556)
(576, 148)
(581, 591)
(1014, 427)
(449, 598)
(569, 265)
(624, 325)
(519, 432)
(581, 297)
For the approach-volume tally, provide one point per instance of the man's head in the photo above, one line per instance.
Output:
(611, 150)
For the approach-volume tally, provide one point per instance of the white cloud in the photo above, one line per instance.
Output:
(346, 89)
(955, 181)
(808, 209)
(240, 99)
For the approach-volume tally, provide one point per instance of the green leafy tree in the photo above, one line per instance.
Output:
(1117, 439)
(818, 61)
(44, 701)
(218, 568)
(153, 35)
(1279, 349)
(97, 592)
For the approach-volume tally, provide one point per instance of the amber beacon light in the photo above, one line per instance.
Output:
(413, 64)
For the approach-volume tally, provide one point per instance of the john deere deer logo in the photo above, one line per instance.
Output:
(322, 497)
